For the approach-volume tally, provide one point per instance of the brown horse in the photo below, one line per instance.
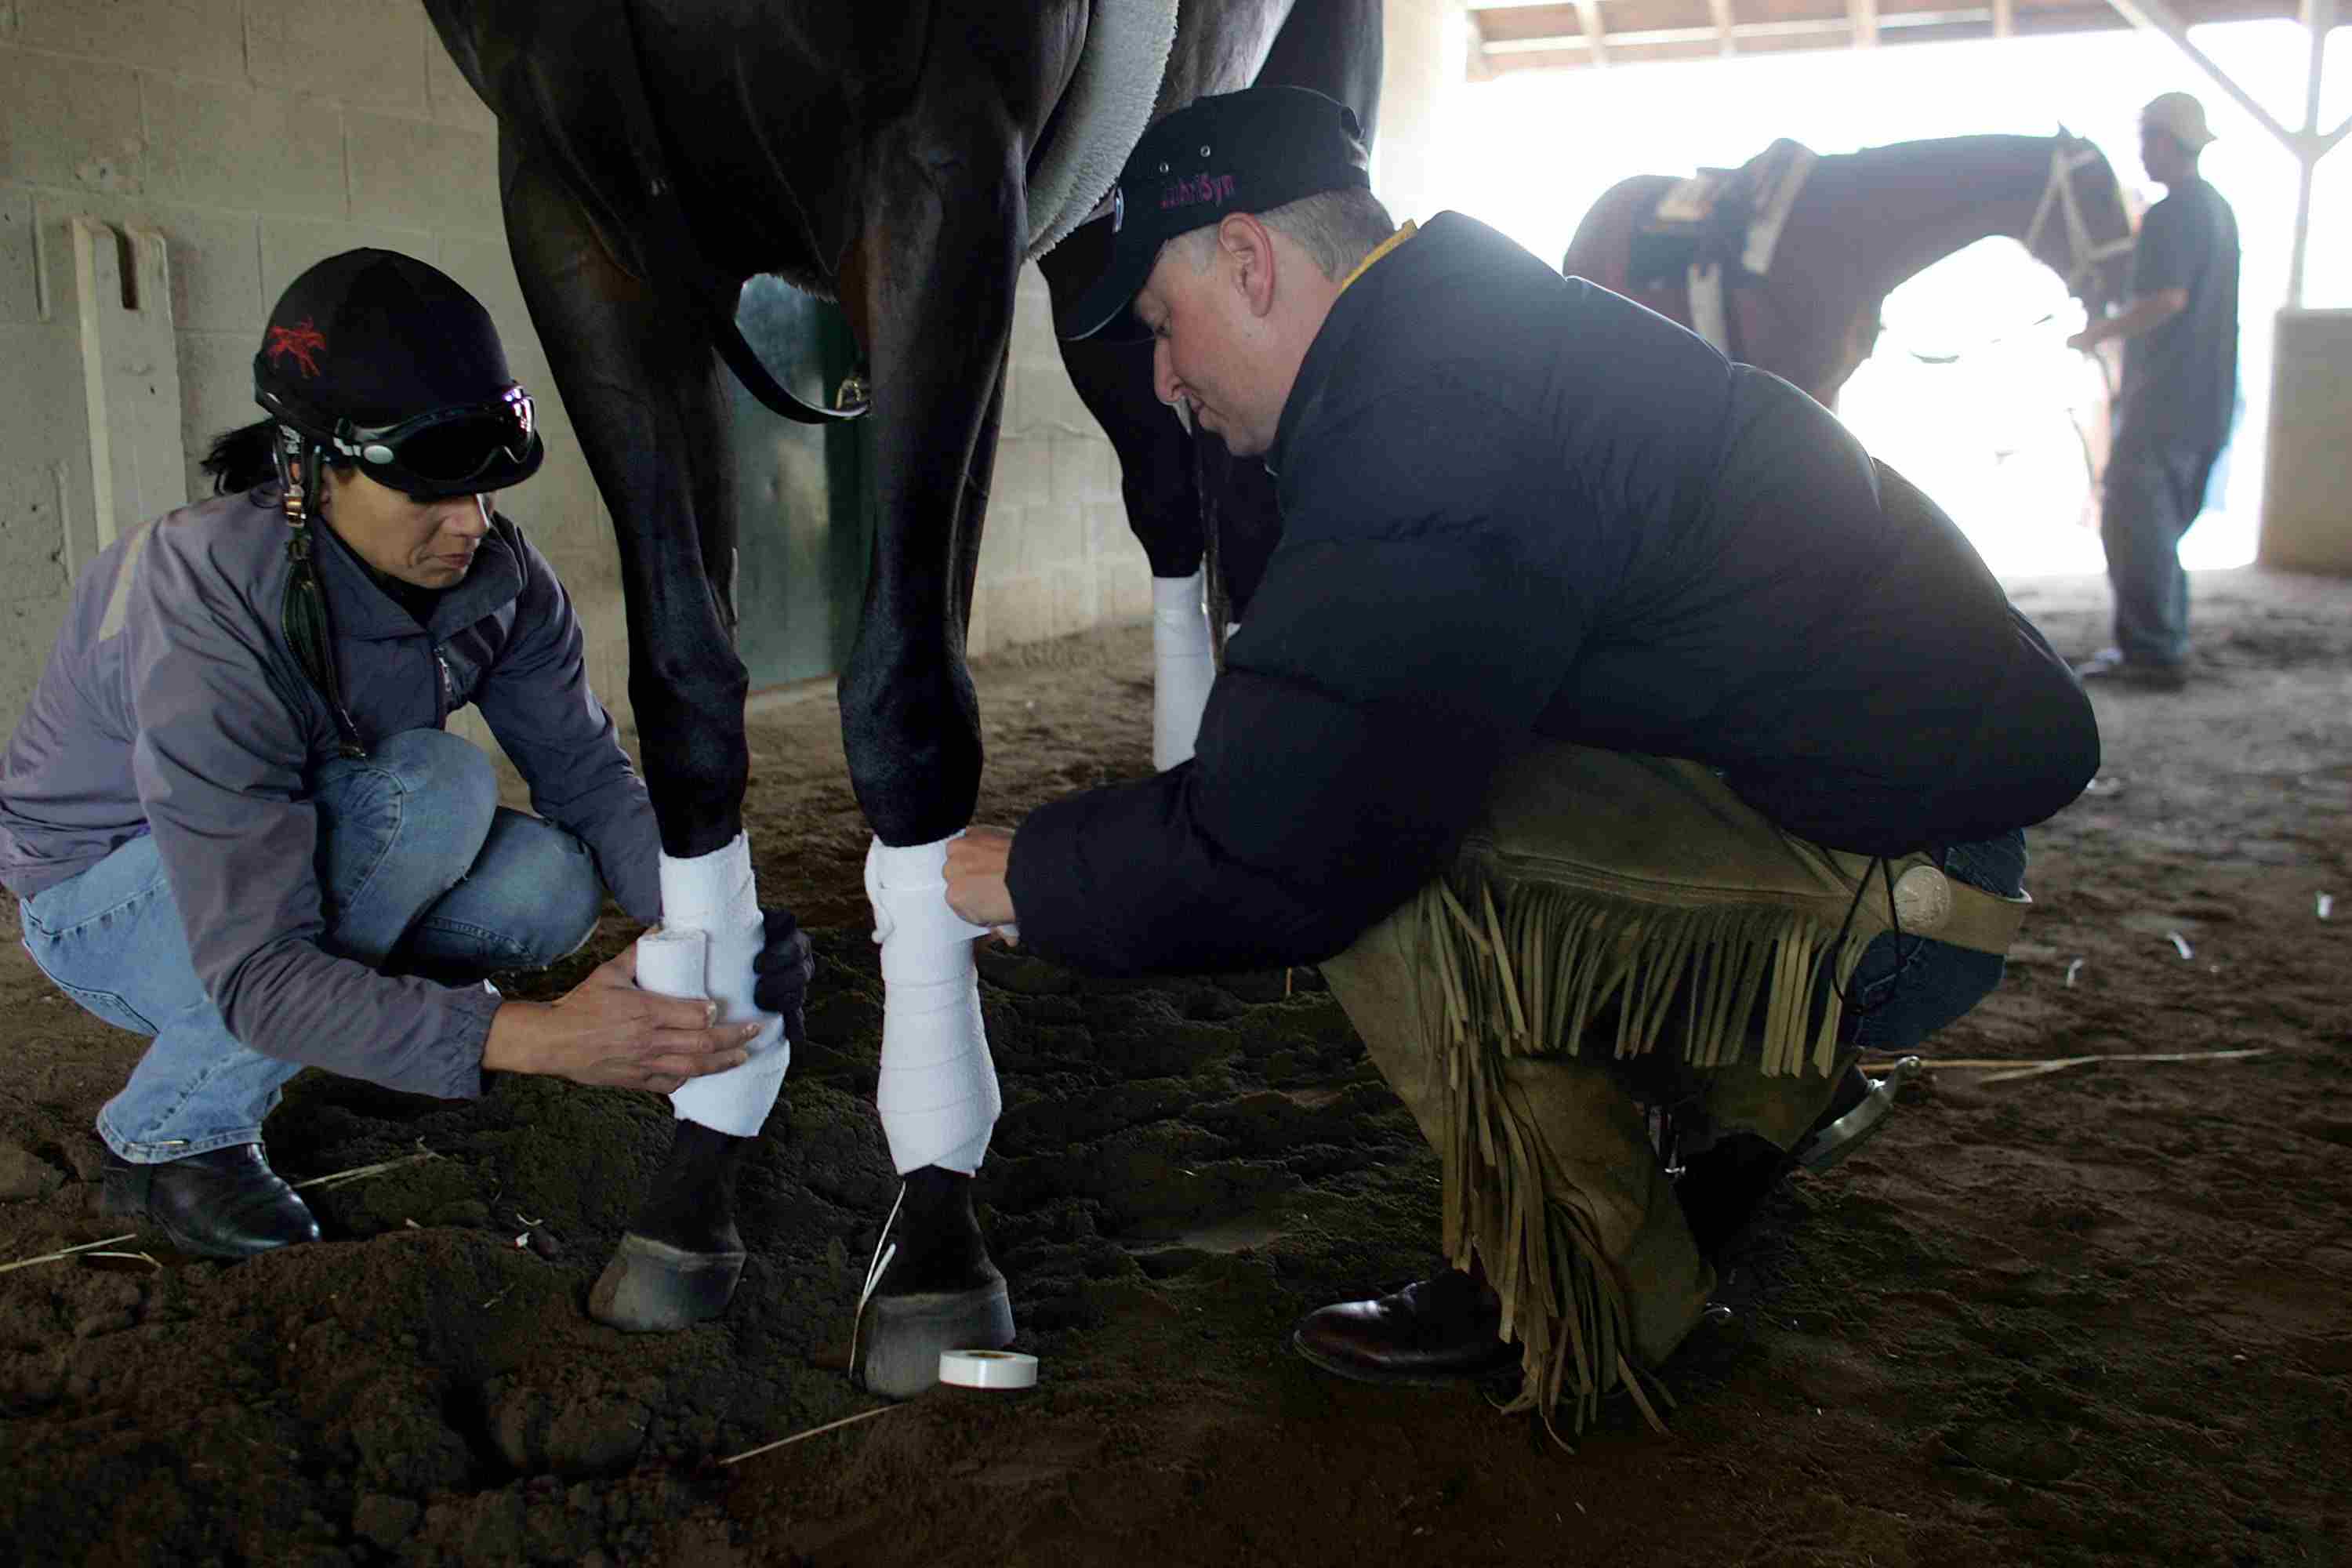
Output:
(1865, 222)
(897, 156)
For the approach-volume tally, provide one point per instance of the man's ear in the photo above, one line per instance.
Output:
(1250, 246)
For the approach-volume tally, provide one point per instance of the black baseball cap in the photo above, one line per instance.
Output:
(1248, 151)
(389, 363)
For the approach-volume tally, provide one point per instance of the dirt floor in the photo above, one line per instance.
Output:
(2097, 1316)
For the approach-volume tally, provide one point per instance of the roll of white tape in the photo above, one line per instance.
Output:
(987, 1369)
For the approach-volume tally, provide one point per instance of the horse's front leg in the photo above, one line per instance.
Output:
(641, 385)
(931, 286)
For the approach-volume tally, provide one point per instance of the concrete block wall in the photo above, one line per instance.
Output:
(1057, 556)
(2308, 472)
(257, 136)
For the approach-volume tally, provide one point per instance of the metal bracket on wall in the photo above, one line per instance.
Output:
(130, 375)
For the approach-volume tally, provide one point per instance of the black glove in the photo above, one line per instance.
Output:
(785, 964)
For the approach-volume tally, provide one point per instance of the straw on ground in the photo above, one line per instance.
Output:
(812, 1432)
(68, 1251)
(2017, 1068)
(360, 1173)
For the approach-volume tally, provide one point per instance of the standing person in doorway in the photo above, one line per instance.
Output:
(233, 817)
(2173, 413)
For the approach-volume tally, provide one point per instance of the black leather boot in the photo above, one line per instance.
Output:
(1722, 1188)
(224, 1204)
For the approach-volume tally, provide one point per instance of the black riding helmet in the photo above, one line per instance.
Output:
(376, 358)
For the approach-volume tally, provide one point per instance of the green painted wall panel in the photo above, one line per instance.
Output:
(802, 495)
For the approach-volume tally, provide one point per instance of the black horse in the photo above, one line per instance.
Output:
(654, 155)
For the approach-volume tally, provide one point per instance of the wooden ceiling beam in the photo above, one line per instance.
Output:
(1477, 67)
(2157, 15)
(1972, 15)
(1722, 9)
(1862, 23)
(1595, 30)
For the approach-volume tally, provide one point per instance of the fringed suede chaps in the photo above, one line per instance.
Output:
(1611, 902)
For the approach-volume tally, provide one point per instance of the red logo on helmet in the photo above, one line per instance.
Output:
(302, 339)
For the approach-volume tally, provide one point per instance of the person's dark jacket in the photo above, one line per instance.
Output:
(172, 705)
(1512, 503)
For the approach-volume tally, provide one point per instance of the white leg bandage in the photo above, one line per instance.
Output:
(1182, 667)
(709, 933)
(938, 1092)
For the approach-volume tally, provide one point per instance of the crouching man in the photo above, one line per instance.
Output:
(1628, 732)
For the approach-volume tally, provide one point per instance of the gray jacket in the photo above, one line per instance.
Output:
(172, 705)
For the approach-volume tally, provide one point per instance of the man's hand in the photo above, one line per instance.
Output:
(785, 966)
(2145, 311)
(976, 888)
(609, 1033)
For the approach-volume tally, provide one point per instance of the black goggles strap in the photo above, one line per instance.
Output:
(310, 631)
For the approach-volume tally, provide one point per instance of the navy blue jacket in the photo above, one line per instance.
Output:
(1512, 504)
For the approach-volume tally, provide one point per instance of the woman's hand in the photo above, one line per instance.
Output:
(607, 1033)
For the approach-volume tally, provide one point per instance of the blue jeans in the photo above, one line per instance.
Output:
(1905, 989)
(419, 869)
(2151, 497)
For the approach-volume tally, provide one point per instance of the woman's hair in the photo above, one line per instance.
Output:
(240, 459)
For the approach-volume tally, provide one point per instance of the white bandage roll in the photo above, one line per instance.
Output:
(711, 932)
(987, 1369)
(937, 1092)
(1183, 667)
(672, 962)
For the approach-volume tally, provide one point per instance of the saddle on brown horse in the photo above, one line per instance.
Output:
(1727, 217)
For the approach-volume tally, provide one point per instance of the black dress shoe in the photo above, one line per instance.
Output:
(1440, 1332)
(224, 1204)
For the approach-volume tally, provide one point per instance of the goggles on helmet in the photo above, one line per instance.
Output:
(445, 451)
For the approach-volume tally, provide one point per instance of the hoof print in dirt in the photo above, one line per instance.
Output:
(569, 1433)
(1257, 987)
(1019, 972)
(25, 1174)
(651, 1287)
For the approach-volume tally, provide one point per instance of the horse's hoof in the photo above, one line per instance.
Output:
(899, 1338)
(651, 1287)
